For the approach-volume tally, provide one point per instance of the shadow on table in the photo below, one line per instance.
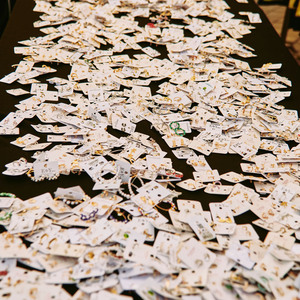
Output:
(6, 7)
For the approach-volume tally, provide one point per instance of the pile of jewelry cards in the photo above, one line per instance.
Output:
(208, 102)
(74, 239)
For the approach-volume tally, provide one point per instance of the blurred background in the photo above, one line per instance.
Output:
(284, 15)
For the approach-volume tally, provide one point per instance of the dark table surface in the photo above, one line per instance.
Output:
(268, 48)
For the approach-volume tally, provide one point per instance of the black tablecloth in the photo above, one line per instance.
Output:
(268, 48)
